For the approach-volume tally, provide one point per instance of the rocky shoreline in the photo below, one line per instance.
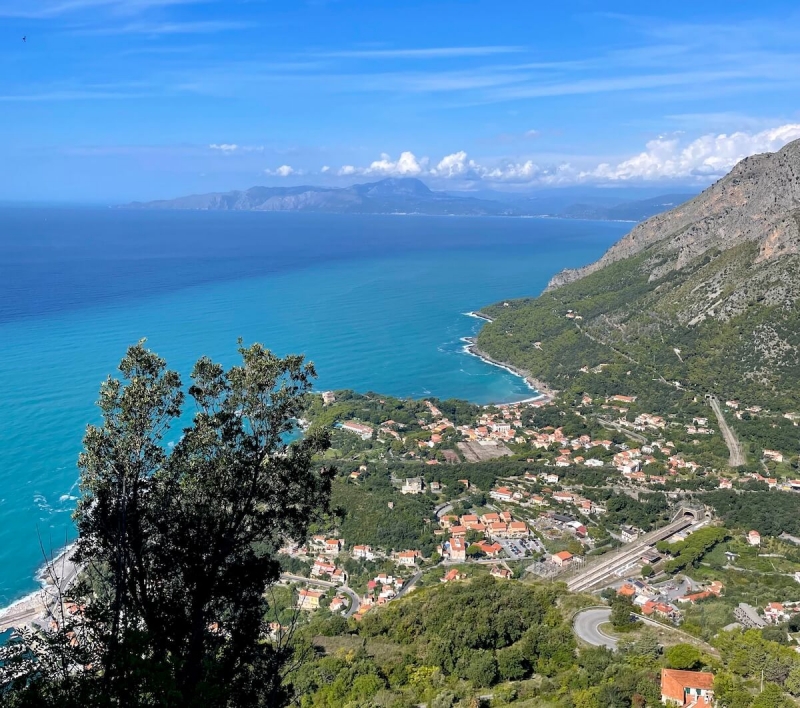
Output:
(546, 393)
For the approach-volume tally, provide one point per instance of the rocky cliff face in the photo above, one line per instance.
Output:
(758, 202)
(705, 297)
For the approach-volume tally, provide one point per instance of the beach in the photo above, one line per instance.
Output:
(544, 392)
(56, 577)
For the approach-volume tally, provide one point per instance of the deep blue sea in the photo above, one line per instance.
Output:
(377, 302)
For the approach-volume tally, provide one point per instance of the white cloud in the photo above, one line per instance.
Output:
(44, 9)
(325, 169)
(532, 134)
(455, 165)
(667, 158)
(406, 165)
(283, 171)
(229, 148)
(165, 28)
(707, 157)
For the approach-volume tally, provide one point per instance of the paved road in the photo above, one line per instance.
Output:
(737, 457)
(586, 626)
(355, 602)
(412, 581)
(443, 509)
(622, 429)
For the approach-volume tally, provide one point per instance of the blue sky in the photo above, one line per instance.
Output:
(136, 99)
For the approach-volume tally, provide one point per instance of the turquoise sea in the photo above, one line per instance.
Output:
(377, 303)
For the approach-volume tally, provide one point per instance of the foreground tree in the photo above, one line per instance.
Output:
(179, 541)
(622, 617)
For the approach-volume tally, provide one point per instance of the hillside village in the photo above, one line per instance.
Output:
(563, 489)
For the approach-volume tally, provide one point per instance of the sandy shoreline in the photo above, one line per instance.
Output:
(533, 383)
(32, 609)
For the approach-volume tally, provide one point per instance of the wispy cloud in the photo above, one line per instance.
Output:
(46, 9)
(421, 53)
(167, 28)
(230, 148)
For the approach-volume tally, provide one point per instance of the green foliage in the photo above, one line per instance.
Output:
(645, 513)
(622, 618)
(364, 517)
(683, 656)
(632, 325)
(771, 513)
(182, 541)
(749, 655)
(688, 552)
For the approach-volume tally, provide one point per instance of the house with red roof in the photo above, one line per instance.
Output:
(693, 689)
(452, 576)
(562, 559)
(364, 552)
(458, 549)
(490, 549)
(308, 599)
(502, 494)
(500, 573)
(517, 529)
(775, 613)
(332, 546)
(408, 558)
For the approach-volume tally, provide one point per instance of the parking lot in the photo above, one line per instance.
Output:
(518, 548)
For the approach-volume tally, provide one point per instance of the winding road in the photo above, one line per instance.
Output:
(586, 625)
(737, 458)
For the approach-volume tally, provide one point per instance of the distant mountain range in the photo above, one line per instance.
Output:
(412, 196)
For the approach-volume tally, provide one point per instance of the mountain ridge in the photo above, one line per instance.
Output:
(390, 195)
(705, 298)
(721, 209)
(408, 195)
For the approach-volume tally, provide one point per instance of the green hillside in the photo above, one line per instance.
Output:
(630, 325)
(702, 298)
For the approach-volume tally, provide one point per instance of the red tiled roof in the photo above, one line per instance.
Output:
(674, 683)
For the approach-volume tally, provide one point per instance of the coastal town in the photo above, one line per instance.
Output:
(532, 489)
(568, 488)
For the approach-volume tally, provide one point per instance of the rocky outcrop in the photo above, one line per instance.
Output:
(758, 201)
